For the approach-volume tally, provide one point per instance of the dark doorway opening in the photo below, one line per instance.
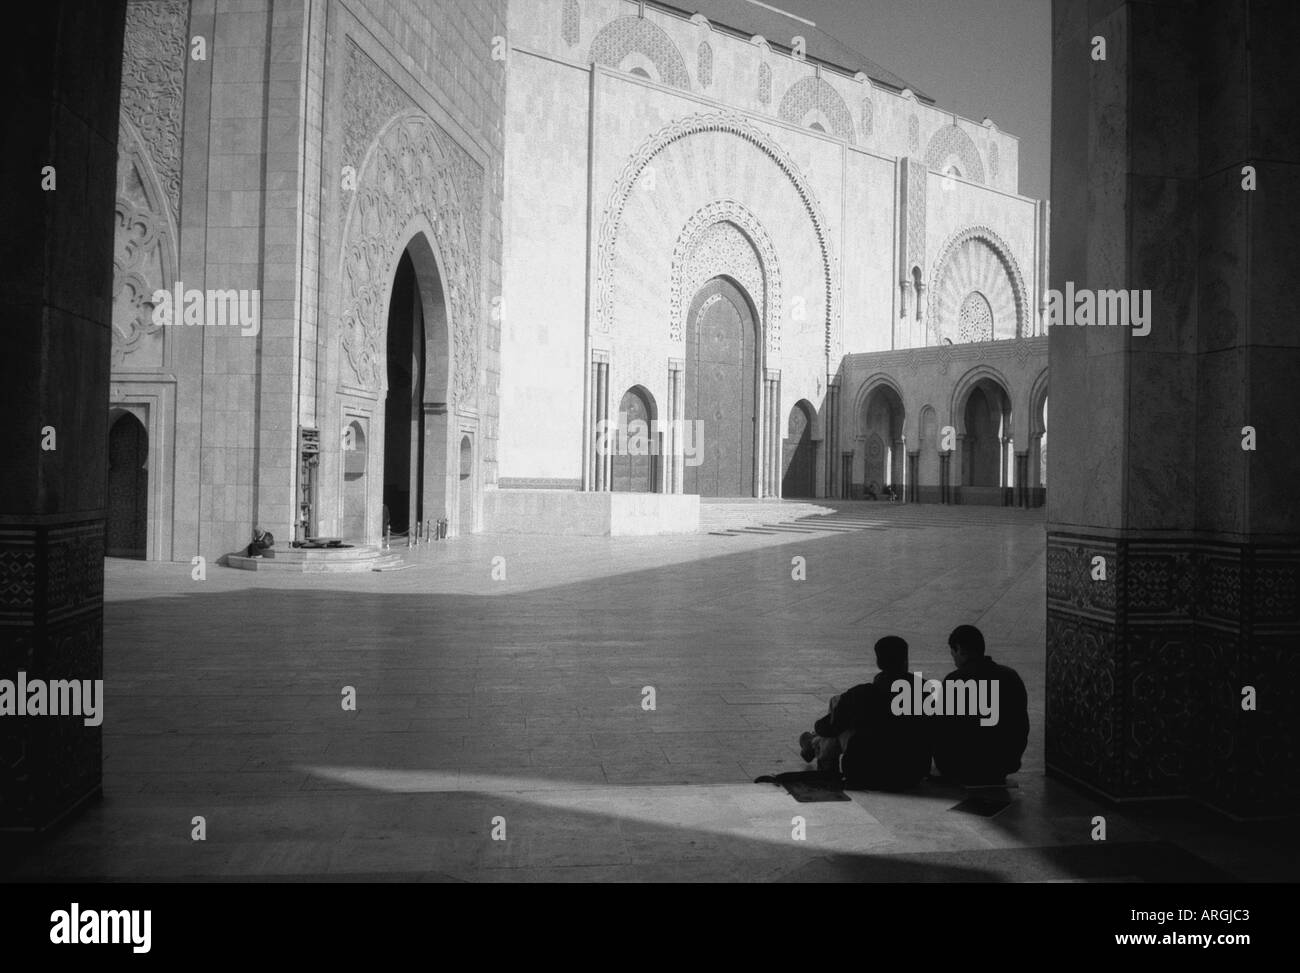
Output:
(799, 472)
(403, 411)
(128, 488)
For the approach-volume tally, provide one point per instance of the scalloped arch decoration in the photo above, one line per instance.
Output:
(731, 124)
(943, 304)
(625, 35)
(696, 261)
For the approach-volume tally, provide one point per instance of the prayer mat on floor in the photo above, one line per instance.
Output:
(807, 786)
(986, 806)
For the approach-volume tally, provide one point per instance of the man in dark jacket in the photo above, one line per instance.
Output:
(863, 740)
(981, 749)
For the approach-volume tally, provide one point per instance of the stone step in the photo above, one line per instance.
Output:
(326, 560)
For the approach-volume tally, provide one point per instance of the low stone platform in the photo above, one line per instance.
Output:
(319, 560)
(575, 513)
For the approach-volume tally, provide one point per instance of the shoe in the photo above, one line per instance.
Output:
(806, 749)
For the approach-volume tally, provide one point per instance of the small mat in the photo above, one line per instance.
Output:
(983, 805)
(807, 786)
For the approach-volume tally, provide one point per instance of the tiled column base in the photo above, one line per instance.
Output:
(1146, 669)
(51, 627)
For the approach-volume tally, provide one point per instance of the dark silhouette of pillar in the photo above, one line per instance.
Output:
(63, 71)
(1174, 672)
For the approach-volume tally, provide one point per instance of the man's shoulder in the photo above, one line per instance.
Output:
(1004, 671)
(861, 689)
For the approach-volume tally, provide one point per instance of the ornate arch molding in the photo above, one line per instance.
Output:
(413, 173)
(684, 127)
(144, 253)
(691, 269)
(624, 35)
(962, 389)
(1001, 251)
(951, 140)
(1037, 393)
(808, 94)
(872, 384)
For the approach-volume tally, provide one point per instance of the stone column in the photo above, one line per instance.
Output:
(56, 284)
(1149, 664)
(831, 435)
(679, 410)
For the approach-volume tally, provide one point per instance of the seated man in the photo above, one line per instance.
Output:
(879, 750)
(263, 541)
(975, 749)
(869, 491)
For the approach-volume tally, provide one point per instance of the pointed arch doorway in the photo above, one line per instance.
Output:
(721, 391)
(421, 468)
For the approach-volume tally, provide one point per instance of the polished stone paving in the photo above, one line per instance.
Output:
(516, 703)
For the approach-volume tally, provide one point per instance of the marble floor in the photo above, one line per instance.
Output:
(500, 733)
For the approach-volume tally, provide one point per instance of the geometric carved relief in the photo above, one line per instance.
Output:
(153, 81)
(809, 95)
(916, 206)
(724, 238)
(148, 174)
(975, 259)
(764, 85)
(627, 35)
(951, 144)
(1145, 668)
(975, 320)
(913, 133)
(414, 169)
(705, 65)
(371, 99)
(570, 22)
(868, 118)
(732, 124)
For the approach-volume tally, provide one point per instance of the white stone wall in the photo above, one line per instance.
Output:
(575, 132)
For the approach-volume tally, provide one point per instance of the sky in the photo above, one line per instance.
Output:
(975, 57)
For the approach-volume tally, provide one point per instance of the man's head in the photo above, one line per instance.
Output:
(966, 643)
(891, 654)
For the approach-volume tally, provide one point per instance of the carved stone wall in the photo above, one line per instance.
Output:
(153, 83)
(144, 257)
(815, 94)
(626, 35)
(148, 173)
(414, 168)
(570, 22)
(916, 204)
(949, 142)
